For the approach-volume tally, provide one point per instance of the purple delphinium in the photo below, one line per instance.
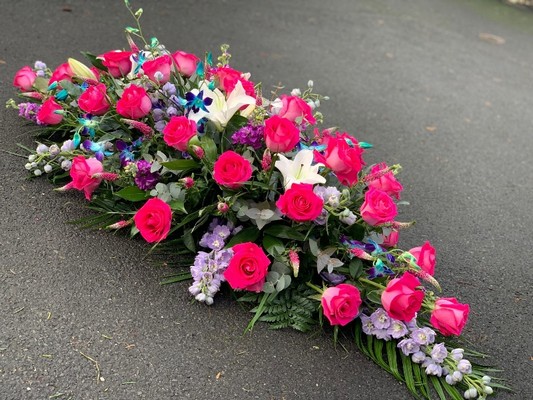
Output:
(249, 135)
(439, 352)
(397, 329)
(380, 319)
(367, 325)
(208, 274)
(329, 194)
(144, 178)
(408, 346)
(423, 336)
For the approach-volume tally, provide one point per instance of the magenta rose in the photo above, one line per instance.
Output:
(153, 220)
(343, 156)
(391, 239)
(178, 132)
(63, 72)
(449, 316)
(47, 113)
(401, 298)
(341, 304)
(186, 63)
(386, 182)
(231, 170)
(300, 203)
(24, 78)
(118, 63)
(247, 268)
(378, 207)
(94, 100)
(81, 172)
(281, 135)
(160, 64)
(425, 257)
(294, 108)
(227, 80)
(134, 102)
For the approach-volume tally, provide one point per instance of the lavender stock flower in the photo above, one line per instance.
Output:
(249, 135)
(144, 178)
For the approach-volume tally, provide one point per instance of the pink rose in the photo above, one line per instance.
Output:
(300, 203)
(47, 113)
(24, 79)
(281, 135)
(341, 304)
(178, 132)
(63, 72)
(94, 100)
(134, 102)
(391, 239)
(247, 268)
(293, 108)
(449, 316)
(82, 172)
(160, 64)
(227, 80)
(186, 63)
(343, 156)
(378, 207)
(153, 220)
(425, 257)
(401, 299)
(117, 62)
(231, 170)
(386, 182)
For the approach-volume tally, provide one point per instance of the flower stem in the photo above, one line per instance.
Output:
(372, 283)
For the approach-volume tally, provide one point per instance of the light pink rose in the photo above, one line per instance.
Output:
(341, 304)
(401, 298)
(386, 182)
(449, 316)
(63, 72)
(378, 207)
(425, 256)
(82, 172)
(160, 64)
(24, 78)
(47, 113)
(186, 63)
(281, 135)
(293, 108)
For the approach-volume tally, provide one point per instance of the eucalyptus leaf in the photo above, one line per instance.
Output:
(132, 193)
(273, 246)
(180, 165)
(285, 232)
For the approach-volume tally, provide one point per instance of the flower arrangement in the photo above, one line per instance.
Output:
(187, 153)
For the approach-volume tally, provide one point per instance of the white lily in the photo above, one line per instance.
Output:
(300, 169)
(221, 109)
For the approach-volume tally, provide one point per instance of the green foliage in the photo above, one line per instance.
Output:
(289, 308)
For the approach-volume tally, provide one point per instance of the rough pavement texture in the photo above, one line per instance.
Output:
(412, 77)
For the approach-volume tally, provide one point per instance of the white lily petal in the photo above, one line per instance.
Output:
(300, 169)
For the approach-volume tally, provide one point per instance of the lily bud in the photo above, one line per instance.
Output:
(81, 71)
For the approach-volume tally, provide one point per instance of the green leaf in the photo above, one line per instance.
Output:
(71, 88)
(235, 123)
(356, 268)
(356, 231)
(176, 278)
(180, 165)
(438, 388)
(132, 193)
(392, 359)
(210, 148)
(273, 246)
(94, 61)
(188, 241)
(249, 234)
(284, 231)
(407, 370)
(41, 84)
(374, 296)
(178, 205)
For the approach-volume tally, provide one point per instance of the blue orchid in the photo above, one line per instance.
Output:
(197, 102)
(98, 148)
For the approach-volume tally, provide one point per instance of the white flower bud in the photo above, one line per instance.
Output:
(27, 166)
(34, 164)
(54, 150)
(310, 83)
(37, 172)
(42, 148)
(488, 390)
(32, 157)
(47, 168)
(296, 92)
(486, 379)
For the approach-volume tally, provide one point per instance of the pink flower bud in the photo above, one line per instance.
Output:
(198, 151)
(187, 182)
(222, 207)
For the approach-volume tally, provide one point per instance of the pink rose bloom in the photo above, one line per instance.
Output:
(186, 63)
(153, 220)
(178, 132)
(425, 257)
(63, 72)
(343, 156)
(134, 103)
(117, 62)
(401, 299)
(227, 80)
(231, 170)
(293, 107)
(386, 182)
(391, 239)
(281, 135)
(47, 113)
(160, 64)
(94, 100)
(300, 203)
(449, 316)
(378, 207)
(247, 268)
(81, 173)
(24, 79)
(341, 304)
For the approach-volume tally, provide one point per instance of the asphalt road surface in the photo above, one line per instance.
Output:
(424, 81)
